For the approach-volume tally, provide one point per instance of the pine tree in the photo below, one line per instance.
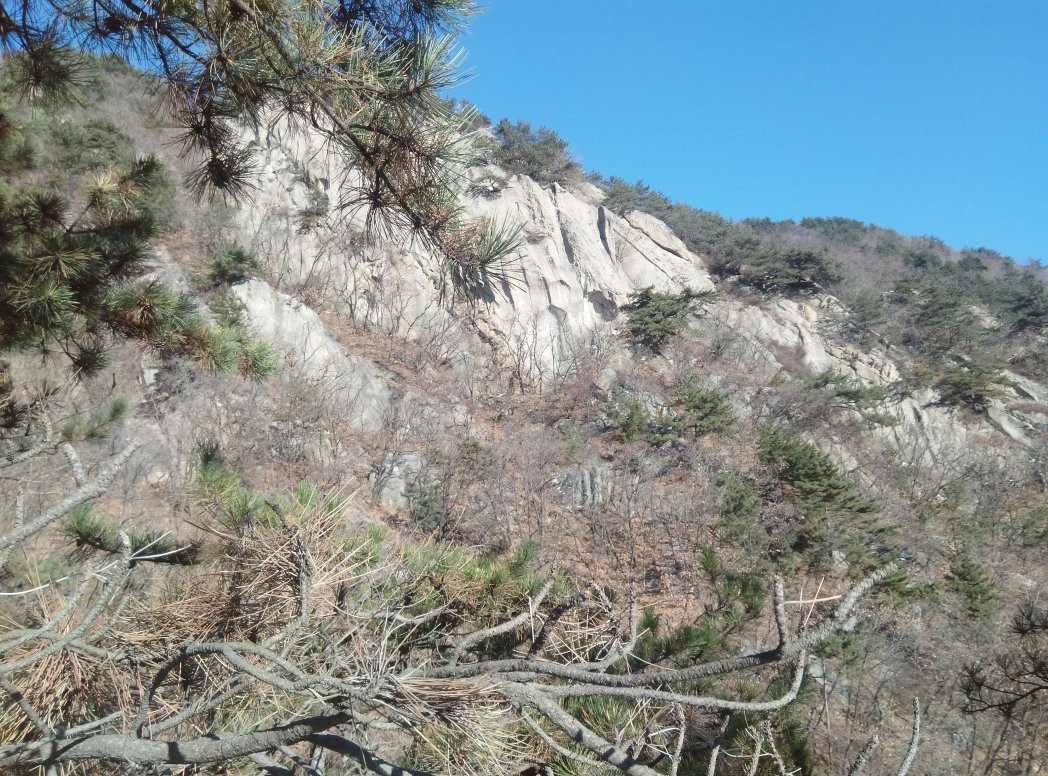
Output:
(364, 75)
(653, 317)
(538, 153)
(71, 269)
(815, 481)
(972, 384)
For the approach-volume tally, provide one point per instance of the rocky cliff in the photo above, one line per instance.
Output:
(562, 290)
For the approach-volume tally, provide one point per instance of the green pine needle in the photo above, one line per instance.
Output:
(94, 533)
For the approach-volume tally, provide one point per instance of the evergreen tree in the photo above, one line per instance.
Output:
(364, 75)
(71, 267)
(1025, 300)
(541, 153)
(815, 481)
(779, 268)
(653, 317)
(866, 312)
(841, 392)
(734, 249)
(699, 410)
(972, 384)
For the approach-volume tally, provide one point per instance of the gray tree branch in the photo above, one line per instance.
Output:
(81, 495)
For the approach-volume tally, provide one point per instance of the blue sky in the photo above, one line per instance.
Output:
(926, 117)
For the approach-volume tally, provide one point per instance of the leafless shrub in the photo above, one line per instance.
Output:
(291, 636)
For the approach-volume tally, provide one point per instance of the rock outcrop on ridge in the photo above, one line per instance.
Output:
(578, 264)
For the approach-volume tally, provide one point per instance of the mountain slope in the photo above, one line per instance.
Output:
(766, 438)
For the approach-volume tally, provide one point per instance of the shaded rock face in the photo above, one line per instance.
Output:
(584, 486)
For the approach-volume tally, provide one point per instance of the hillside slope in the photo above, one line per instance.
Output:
(762, 439)
(536, 374)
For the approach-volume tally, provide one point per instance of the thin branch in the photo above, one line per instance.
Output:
(114, 586)
(368, 759)
(607, 751)
(696, 701)
(864, 757)
(26, 707)
(714, 755)
(755, 758)
(621, 648)
(479, 636)
(303, 764)
(79, 477)
(270, 766)
(81, 495)
(5, 554)
(915, 738)
(214, 747)
(678, 748)
(812, 602)
(805, 601)
(201, 707)
(521, 670)
(773, 750)
(542, 637)
(781, 623)
(40, 414)
(552, 743)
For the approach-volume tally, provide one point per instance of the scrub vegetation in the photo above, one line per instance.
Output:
(658, 557)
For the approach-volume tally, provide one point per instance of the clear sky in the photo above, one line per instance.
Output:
(930, 117)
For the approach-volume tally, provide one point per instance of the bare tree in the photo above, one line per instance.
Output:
(1012, 688)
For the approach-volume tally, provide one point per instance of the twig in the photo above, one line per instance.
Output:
(82, 494)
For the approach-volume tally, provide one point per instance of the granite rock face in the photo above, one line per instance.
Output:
(577, 266)
(578, 263)
(304, 345)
